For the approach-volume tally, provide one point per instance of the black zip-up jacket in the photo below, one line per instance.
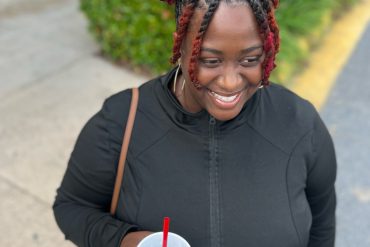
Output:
(263, 179)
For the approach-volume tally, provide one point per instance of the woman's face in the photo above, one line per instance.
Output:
(229, 65)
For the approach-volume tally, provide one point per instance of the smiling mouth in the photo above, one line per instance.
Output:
(226, 99)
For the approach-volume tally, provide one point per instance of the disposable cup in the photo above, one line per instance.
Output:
(155, 240)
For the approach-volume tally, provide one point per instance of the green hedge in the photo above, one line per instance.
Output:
(302, 25)
(140, 32)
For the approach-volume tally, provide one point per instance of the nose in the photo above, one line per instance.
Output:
(231, 80)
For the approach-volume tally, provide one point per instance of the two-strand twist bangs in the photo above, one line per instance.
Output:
(264, 12)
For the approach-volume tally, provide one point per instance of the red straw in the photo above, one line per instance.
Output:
(166, 227)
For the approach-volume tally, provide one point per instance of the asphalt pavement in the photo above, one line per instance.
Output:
(347, 115)
(52, 79)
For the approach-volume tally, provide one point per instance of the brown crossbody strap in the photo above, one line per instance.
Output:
(124, 148)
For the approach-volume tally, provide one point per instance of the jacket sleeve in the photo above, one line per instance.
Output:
(320, 189)
(82, 203)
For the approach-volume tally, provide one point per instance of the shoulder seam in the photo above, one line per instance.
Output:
(151, 145)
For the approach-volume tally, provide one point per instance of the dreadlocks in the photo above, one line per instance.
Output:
(181, 27)
(264, 13)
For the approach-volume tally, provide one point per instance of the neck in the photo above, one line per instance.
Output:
(184, 96)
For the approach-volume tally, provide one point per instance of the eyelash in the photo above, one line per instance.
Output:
(252, 60)
(213, 63)
(210, 62)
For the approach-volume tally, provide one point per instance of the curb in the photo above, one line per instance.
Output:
(317, 80)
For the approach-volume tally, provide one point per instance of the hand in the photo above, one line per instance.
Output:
(133, 238)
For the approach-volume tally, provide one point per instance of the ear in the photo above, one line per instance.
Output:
(175, 36)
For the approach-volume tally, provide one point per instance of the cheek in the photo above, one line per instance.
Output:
(254, 75)
(254, 78)
(207, 76)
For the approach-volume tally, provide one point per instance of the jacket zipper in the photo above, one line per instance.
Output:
(215, 231)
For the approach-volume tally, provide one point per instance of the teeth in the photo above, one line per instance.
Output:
(224, 98)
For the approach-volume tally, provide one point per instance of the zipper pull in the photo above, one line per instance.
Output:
(212, 120)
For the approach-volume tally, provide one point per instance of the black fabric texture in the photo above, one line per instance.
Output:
(265, 178)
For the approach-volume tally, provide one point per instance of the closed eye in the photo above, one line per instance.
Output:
(210, 62)
(250, 61)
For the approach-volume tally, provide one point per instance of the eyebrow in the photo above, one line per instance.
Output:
(247, 50)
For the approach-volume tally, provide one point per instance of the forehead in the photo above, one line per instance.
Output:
(231, 20)
(234, 17)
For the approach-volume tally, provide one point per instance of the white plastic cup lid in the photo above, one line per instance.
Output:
(155, 240)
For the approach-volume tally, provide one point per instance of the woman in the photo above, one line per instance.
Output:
(232, 160)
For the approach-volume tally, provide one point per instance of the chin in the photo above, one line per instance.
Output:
(224, 115)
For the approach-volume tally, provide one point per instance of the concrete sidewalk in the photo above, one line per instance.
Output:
(51, 82)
